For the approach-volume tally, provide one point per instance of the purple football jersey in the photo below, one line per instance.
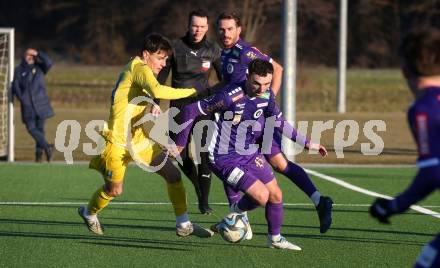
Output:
(235, 61)
(236, 119)
(424, 121)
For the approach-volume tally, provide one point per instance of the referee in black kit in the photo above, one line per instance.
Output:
(193, 57)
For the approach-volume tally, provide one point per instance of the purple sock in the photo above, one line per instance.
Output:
(232, 195)
(247, 204)
(298, 176)
(274, 217)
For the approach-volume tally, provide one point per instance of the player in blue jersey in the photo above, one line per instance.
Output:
(236, 55)
(235, 157)
(421, 65)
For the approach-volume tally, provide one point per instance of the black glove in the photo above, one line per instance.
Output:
(381, 210)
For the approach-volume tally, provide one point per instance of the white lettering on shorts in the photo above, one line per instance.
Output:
(235, 176)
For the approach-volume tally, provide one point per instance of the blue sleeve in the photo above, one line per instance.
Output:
(207, 106)
(423, 125)
(43, 61)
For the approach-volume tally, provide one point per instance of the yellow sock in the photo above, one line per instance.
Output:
(177, 196)
(100, 200)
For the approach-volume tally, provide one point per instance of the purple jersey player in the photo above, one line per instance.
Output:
(421, 66)
(236, 55)
(235, 158)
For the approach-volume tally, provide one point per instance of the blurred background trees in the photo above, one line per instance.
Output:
(97, 32)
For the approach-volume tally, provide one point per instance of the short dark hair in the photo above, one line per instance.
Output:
(156, 42)
(229, 16)
(198, 13)
(260, 67)
(420, 51)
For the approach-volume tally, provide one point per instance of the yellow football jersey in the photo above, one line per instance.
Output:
(137, 79)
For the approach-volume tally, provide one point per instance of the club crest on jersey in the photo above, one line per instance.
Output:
(236, 53)
(236, 119)
(251, 55)
(230, 68)
(206, 64)
(258, 113)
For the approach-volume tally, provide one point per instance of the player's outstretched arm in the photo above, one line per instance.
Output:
(206, 106)
(144, 77)
(277, 77)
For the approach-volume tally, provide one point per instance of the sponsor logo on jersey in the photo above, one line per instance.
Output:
(422, 133)
(232, 60)
(236, 98)
(206, 64)
(258, 113)
(266, 96)
(264, 104)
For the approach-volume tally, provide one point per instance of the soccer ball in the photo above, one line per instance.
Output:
(233, 227)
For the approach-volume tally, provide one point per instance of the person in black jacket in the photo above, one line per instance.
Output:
(29, 87)
(193, 57)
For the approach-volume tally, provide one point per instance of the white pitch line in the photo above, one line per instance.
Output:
(368, 192)
(27, 203)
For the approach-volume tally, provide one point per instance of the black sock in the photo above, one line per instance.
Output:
(204, 174)
(189, 169)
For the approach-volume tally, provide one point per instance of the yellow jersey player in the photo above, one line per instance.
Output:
(138, 79)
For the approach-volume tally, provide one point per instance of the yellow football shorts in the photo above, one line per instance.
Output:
(113, 161)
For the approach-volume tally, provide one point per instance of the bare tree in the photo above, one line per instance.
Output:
(253, 19)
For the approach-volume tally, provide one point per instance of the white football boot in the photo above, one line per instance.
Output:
(281, 243)
(92, 222)
(249, 233)
(193, 229)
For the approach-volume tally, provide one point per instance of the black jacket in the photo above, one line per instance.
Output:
(29, 87)
(191, 62)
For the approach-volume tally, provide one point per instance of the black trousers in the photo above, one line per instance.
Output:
(200, 174)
